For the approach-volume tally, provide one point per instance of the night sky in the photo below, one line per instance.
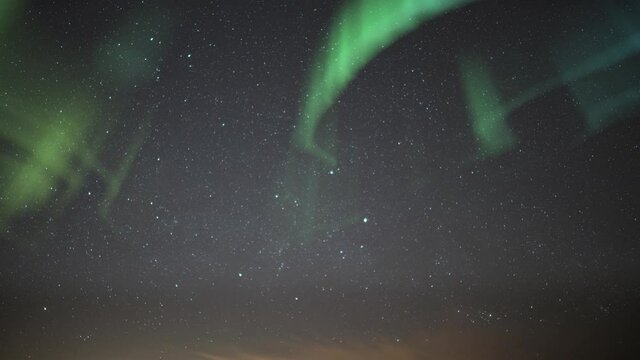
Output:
(357, 179)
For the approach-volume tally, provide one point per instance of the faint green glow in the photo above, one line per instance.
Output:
(8, 11)
(605, 112)
(597, 61)
(54, 133)
(600, 64)
(47, 155)
(43, 146)
(361, 30)
(133, 53)
(488, 115)
(311, 201)
(115, 179)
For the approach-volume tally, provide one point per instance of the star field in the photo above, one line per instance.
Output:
(319, 179)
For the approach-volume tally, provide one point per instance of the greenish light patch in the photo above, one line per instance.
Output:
(133, 54)
(115, 179)
(303, 191)
(8, 11)
(597, 60)
(488, 115)
(313, 200)
(48, 154)
(50, 135)
(45, 144)
(361, 30)
(601, 65)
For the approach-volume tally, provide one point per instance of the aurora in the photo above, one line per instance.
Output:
(595, 63)
(359, 32)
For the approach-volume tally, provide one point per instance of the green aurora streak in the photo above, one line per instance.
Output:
(361, 30)
(41, 154)
(602, 55)
(598, 63)
(47, 155)
(53, 135)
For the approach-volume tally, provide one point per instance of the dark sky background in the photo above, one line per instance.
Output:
(224, 236)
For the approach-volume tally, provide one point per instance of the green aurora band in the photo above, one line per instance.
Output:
(598, 62)
(361, 30)
(53, 134)
(41, 156)
(602, 53)
(47, 155)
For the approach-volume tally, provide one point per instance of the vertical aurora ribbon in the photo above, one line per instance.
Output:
(361, 30)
